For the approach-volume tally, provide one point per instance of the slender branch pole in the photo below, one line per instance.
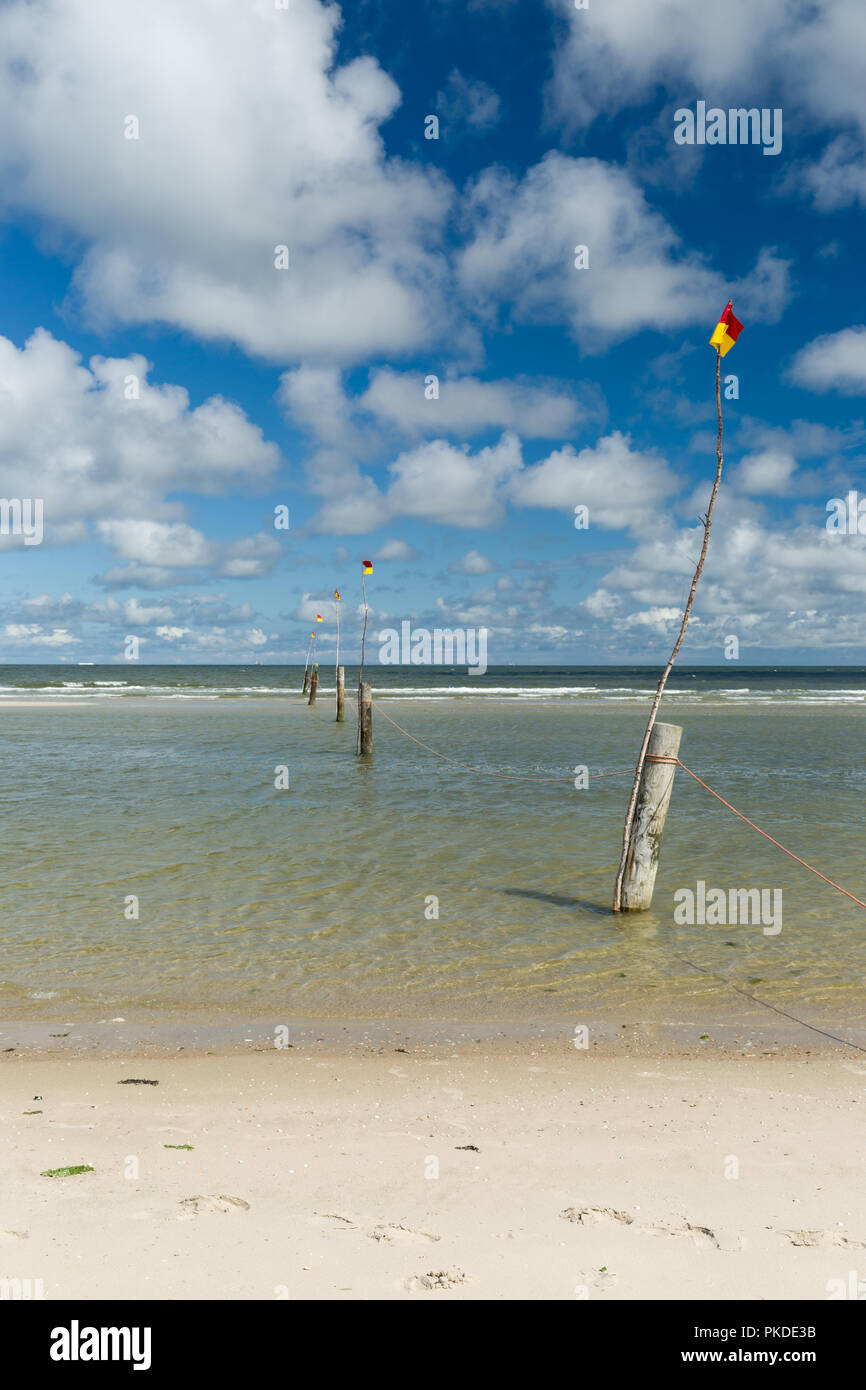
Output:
(629, 818)
(364, 634)
(339, 674)
(307, 665)
(361, 672)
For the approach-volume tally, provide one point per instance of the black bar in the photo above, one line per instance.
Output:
(647, 1338)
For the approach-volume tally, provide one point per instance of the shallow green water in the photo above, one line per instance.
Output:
(311, 901)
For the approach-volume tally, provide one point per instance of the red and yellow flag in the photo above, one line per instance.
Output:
(337, 595)
(368, 567)
(318, 617)
(726, 331)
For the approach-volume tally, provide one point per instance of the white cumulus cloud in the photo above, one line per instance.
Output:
(249, 137)
(523, 235)
(833, 362)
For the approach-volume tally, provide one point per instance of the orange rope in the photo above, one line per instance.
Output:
(650, 757)
(858, 901)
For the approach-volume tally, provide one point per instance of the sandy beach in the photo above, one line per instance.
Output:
(499, 1169)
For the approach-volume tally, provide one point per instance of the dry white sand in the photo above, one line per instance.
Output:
(517, 1170)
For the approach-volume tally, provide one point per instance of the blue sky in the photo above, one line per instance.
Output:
(151, 260)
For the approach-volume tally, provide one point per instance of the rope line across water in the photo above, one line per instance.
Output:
(660, 758)
(650, 757)
(484, 771)
(812, 870)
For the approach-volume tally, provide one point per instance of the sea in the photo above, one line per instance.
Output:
(199, 843)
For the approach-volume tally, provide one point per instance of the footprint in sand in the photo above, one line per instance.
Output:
(437, 1279)
(701, 1236)
(390, 1232)
(814, 1240)
(343, 1223)
(198, 1206)
(597, 1216)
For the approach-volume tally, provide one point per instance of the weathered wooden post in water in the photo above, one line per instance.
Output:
(341, 695)
(365, 717)
(314, 684)
(651, 809)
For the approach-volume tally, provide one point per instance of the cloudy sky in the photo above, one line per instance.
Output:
(233, 261)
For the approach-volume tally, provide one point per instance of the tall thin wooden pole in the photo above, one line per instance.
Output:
(359, 746)
(337, 657)
(364, 633)
(629, 818)
(314, 683)
(306, 684)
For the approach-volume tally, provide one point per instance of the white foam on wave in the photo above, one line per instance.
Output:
(742, 695)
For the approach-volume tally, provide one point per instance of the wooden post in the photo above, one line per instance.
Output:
(341, 695)
(314, 684)
(651, 809)
(306, 681)
(365, 718)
